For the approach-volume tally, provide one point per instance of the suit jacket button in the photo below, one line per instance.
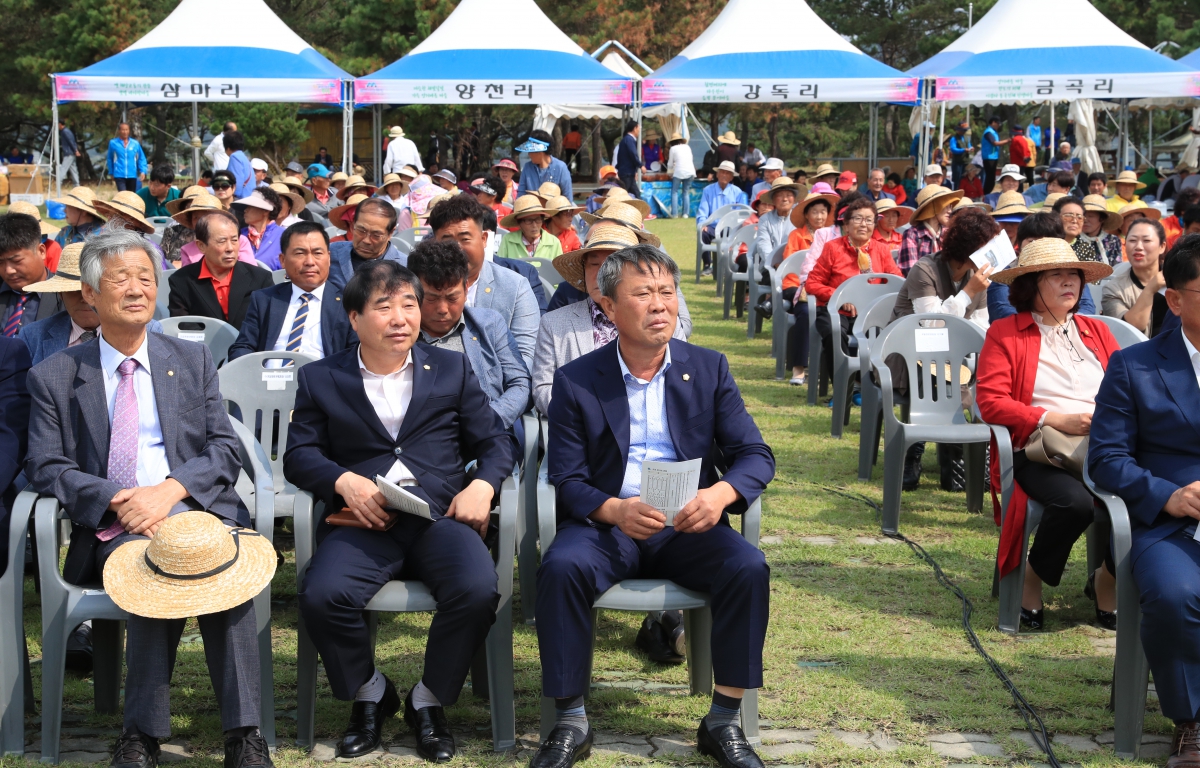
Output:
(398, 451)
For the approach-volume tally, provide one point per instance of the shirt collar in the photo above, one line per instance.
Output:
(458, 327)
(318, 292)
(205, 274)
(1191, 349)
(627, 376)
(110, 358)
(365, 372)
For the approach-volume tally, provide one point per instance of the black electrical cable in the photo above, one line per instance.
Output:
(1033, 721)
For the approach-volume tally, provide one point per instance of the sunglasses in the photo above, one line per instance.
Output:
(221, 185)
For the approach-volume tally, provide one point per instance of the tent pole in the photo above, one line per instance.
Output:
(1150, 136)
(347, 161)
(942, 128)
(1052, 150)
(638, 97)
(376, 132)
(55, 150)
(197, 139)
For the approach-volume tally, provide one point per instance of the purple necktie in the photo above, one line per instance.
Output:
(14, 322)
(123, 440)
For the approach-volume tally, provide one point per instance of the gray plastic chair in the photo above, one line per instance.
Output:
(527, 524)
(867, 327)
(818, 376)
(333, 231)
(411, 236)
(265, 398)
(934, 413)
(755, 288)
(162, 301)
(547, 272)
(862, 291)
(1125, 334)
(733, 276)
(16, 687)
(217, 335)
(781, 313)
(66, 606)
(1131, 671)
(727, 229)
(412, 596)
(702, 247)
(402, 245)
(280, 276)
(642, 595)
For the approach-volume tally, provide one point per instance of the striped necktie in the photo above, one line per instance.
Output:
(297, 332)
(14, 323)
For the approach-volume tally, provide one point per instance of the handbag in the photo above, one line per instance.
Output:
(1048, 445)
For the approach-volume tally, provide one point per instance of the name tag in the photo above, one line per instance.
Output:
(278, 379)
(932, 339)
(196, 336)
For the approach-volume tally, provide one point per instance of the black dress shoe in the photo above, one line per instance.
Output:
(654, 639)
(249, 751)
(428, 724)
(912, 467)
(79, 650)
(564, 747)
(728, 745)
(135, 749)
(952, 467)
(1031, 619)
(365, 731)
(1106, 619)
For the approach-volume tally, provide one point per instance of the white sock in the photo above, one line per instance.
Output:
(373, 689)
(423, 697)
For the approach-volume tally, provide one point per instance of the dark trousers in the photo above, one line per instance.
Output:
(825, 328)
(1028, 172)
(989, 176)
(127, 185)
(584, 561)
(350, 566)
(799, 340)
(958, 170)
(630, 184)
(1168, 578)
(230, 648)
(1069, 511)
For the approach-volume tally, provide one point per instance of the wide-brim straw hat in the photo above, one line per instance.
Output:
(337, 214)
(620, 195)
(396, 132)
(66, 275)
(1048, 253)
(195, 565)
(966, 202)
(29, 209)
(83, 199)
(729, 137)
(801, 208)
(626, 215)
(1052, 198)
(337, 176)
(1011, 204)
(931, 197)
(355, 185)
(1099, 204)
(296, 186)
(548, 190)
(296, 199)
(525, 205)
(205, 202)
(605, 235)
(887, 206)
(824, 169)
(1146, 211)
(785, 183)
(1127, 177)
(131, 207)
(676, 136)
(408, 172)
(178, 204)
(561, 204)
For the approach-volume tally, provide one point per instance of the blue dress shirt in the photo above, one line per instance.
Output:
(649, 435)
(715, 198)
(533, 177)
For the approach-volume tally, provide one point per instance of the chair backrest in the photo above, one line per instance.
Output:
(333, 231)
(279, 276)
(1097, 292)
(864, 290)
(403, 246)
(407, 236)
(717, 214)
(934, 358)
(790, 266)
(217, 335)
(166, 221)
(745, 236)
(547, 287)
(155, 238)
(162, 302)
(868, 325)
(546, 271)
(1125, 334)
(265, 398)
(731, 222)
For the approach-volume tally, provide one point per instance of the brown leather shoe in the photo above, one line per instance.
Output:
(1185, 747)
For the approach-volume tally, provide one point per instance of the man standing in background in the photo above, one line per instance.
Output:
(628, 161)
(68, 150)
(216, 148)
(126, 160)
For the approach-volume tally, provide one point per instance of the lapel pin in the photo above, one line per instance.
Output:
(487, 290)
(686, 377)
(170, 373)
(337, 298)
(427, 367)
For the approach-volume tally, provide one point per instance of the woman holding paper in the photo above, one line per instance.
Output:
(1038, 375)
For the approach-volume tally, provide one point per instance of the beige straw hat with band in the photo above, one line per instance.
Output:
(29, 209)
(547, 191)
(620, 213)
(66, 277)
(966, 202)
(1047, 253)
(355, 185)
(1127, 177)
(561, 204)
(337, 176)
(131, 207)
(618, 195)
(887, 205)
(297, 200)
(83, 199)
(824, 169)
(1139, 207)
(336, 215)
(296, 186)
(525, 205)
(197, 204)
(729, 137)
(931, 197)
(183, 201)
(195, 565)
(1099, 204)
(785, 183)
(1010, 204)
(801, 208)
(604, 236)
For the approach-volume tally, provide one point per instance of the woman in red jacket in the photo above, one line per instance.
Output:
(854, 253)
(1039, 368)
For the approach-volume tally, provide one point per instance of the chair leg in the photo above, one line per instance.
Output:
(1130, 670)
(727, 293)
(974, 469)
(750, 716)
(306, 688)
(499, 653)
(814, 365)
(1012, 587)
(893, 480)
(54, 665)
(527, 540)
(107, 653)
(841, 397)
(698, 636)
(870, 416)
(262, 610)
(548, 713)
(739, 299)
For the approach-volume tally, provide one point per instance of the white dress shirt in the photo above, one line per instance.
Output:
(152, 466)
(1193, 354)
(216, 153)
(310, 342)
(649, 434)
(402, 152)
(390, 395)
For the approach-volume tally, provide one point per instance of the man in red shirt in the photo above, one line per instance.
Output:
(1020, 152)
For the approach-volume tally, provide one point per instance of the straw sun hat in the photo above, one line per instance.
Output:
(619, 195)
(131, 207)
(1099, 204)
(604, 236)
(525, 205)
(183, 201)
(1127, 177)
(355, 184)
(729, 137)
(29, 209)
(66, 278)
(83, 199)
(337, 215)
(1128, 212)
(785, 183)
(195, 565)
(1010, 204)
(197, 204)
(801, 208)
(619, 213)
(1049, 253)
(887, 205)
(296, 199)
(561, 204)
(548, 190)
(931, 198)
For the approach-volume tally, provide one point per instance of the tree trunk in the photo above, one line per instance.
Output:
(773, 129)
(598, 153)
(714, 123)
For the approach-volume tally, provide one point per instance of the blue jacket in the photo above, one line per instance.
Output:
(449, 422)
(509, 293)
(243, 174)
(999, 306)
(125, 162)
(589, 440)
(268, 248)
(628, 158)
(45, 337)
(341, 267)
(268, 308)
(14, 430)
(497, 363)
(1145, 437)
(530, 273)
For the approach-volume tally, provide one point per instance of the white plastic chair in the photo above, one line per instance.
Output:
(782, 318)
(702, 247)
(755, 288)
(162, 301)
(66, 606)
(732, 275)
(527, 522)
(727, 228)
(862, 291)
(411, 596)
(280, 276)
(15, 684)
(867, 327)
(217, 335)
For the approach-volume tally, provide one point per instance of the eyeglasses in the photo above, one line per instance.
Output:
(369, 234)
(1071, 216)
(861, 221)
(221, 185)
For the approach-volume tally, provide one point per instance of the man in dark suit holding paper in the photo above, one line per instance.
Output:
(415, 416)
(650, 398)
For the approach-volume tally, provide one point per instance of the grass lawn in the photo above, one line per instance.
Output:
(862, 638)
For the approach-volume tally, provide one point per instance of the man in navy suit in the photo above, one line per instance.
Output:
(414, 415)
(303, 315)
(14, 430)
(1145, 447)
(648, 397)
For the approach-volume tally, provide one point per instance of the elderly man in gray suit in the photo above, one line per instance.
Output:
(481, 334)
(489, 286)
(125, 430)
(370, 239)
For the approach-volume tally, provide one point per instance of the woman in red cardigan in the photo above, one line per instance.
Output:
(854, 253)
(1038, 368)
